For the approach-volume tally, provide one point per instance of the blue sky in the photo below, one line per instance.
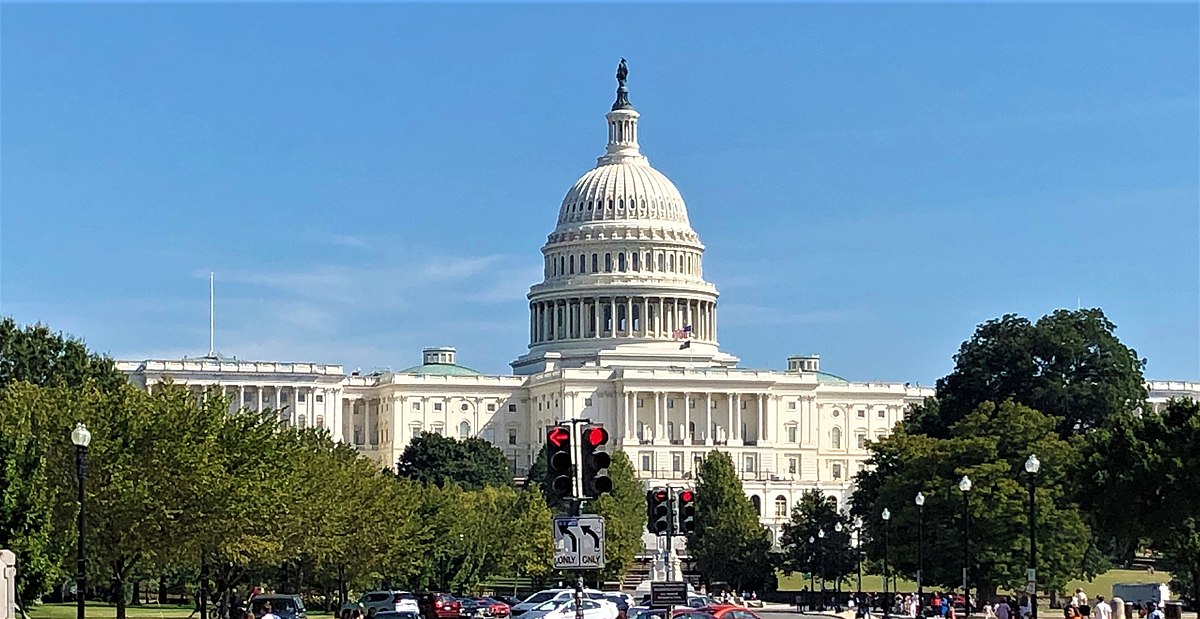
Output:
(871, 181)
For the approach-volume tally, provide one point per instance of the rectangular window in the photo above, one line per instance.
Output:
(677, 462)
(539, 406)
(862, 441)
(862, 414)
(792, 466)
(512, 408)
(587, 401)
(646, 462)
(692, 403)
(791, 406)
(491, 408)
(437, 406)
(837, 470)
(749, 461)
(743, 405)
(791, 434)
(320, 398)
(670, 403)
(639, 403)
(880, 413)
(416, 406)
(512, 436)
(300, 397)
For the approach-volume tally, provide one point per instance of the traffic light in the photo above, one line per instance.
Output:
(558, 459)
(595, 463)
(687, 512)
(658, 512)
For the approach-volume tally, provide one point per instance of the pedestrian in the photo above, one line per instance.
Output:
(266, 611)
(1102, 610)
(1155, 612)
(196, 601)
(1080, 599)
(1003, 609)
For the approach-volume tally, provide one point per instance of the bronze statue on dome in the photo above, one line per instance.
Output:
(622, 102)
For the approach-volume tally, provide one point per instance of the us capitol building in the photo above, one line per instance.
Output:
(623, 330)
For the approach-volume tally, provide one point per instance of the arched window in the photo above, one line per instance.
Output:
(320, 421)
(670, 430)
(562, 265)
(636, 266)
(595, 263)
(464, 430)
(659, 259)
(671, 263)
(835, 437)
(692, 430)
(621, 262)
(572, 263)
(757, 504)
(781, 506)
(649, 262)
(608, 263)
(582, 264)
(302, 422)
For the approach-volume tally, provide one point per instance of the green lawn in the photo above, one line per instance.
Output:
(1101, 586)
(96, 610)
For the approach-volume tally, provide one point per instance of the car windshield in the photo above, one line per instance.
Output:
(538, 598)
(550, 605)
(278, 605)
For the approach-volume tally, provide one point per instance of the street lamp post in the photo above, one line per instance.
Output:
(821, 549)
(837, 576)
(920, 501)
(858, 555)
(812, 587)
(81, 437)
(1031, 467)
(964, 484)
(887, 602)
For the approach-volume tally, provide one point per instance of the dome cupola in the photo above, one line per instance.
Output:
(623, 281)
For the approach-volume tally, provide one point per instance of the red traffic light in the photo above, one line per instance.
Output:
(595, 436)
(558, 436)
(686, 495)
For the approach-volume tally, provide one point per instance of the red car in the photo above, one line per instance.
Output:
(439, 606)
(493, 607)
(721, 611)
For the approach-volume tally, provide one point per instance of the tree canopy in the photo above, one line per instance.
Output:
(1069, 365)
(439, 460)
(729, 545)
(829, 556)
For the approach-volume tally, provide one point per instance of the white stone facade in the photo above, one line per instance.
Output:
(623, 292)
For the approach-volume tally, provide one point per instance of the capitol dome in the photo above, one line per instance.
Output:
(623, 270)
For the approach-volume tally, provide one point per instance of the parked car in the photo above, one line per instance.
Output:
(565, 609)
(286, 606)
(439, 606)
(397, 601)
(393, 614)
(645, 612)
(468, 608)
(549, 595)
(492, 607)
(714, 612)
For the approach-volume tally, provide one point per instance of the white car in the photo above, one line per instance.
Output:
(557, 595)
(565, 609)
(398, 601)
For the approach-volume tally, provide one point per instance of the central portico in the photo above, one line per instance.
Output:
(623, 278)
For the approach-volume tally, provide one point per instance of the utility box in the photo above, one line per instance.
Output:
(8, 584)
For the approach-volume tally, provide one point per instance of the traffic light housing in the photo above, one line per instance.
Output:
(595, 461)
(658, 512)
(687, 512)
(558, 459)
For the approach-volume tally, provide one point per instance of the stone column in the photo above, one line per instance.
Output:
(729, 433)
(737, 407)
(628, 316)
(612, 308)
(659, 424)
(259, 389)
(645, 319)
(708, 439)
(596, 317)
(662, 317)
(687, 418)
(763, 433)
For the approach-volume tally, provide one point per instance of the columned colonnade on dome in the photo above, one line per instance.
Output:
(620, 316)
(652, 417)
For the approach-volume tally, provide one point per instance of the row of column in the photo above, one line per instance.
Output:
(734, 416)
(308, 410)
(621, 317)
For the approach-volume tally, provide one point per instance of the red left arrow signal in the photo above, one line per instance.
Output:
(558, 436)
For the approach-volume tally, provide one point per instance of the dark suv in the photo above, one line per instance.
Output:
(439, 606)
(286, 606)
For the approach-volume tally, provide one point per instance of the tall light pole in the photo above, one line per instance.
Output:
(964, 484)
(858, 555)
(837, 574)
(1031, 467)
(821, 549)
(887, 602)
(920, 501)
(81, 437)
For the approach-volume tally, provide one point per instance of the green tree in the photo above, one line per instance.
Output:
(471, 463)
(36, 355)
(729, 545)
(1142, 471)
(990, 446)
(829, 556)
(1069, 365)
(624, 512)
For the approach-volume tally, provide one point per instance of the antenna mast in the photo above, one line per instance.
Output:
(212, 305)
